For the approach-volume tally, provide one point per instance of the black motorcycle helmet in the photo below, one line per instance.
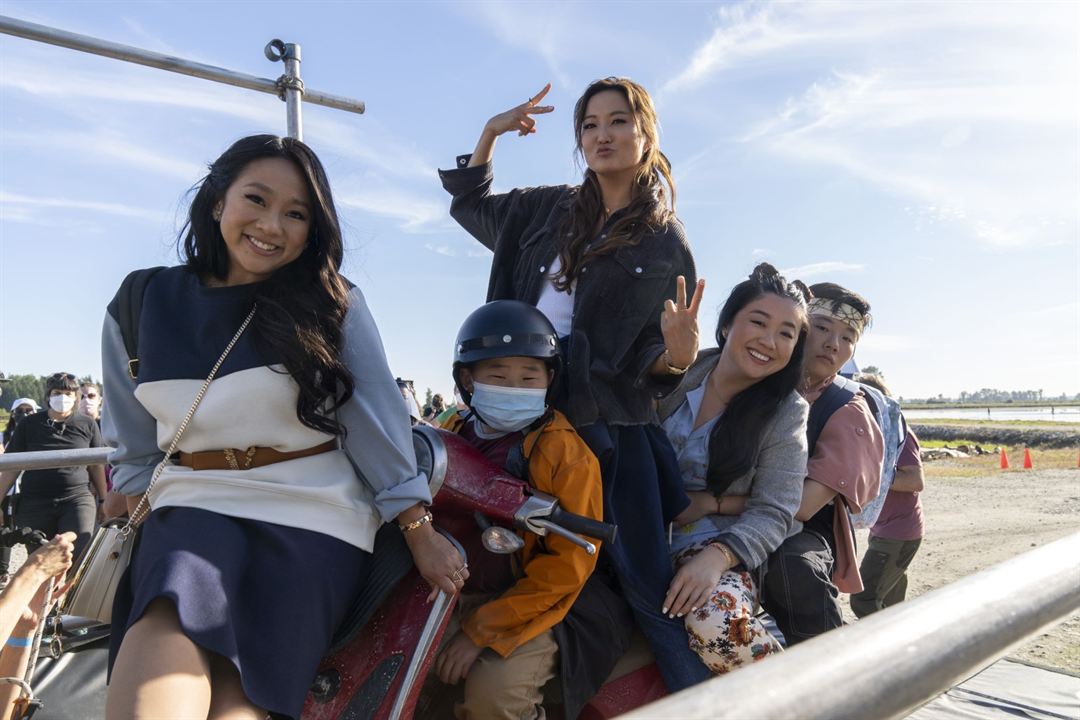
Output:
(506, 328)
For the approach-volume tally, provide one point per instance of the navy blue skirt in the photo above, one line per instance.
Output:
(267, 597)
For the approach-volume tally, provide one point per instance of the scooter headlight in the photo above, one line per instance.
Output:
(502, 541)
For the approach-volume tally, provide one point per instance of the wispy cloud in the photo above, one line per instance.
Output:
(100, 144)
(415, 212)
(970, 110)
(14, 206)
(440, 250)
(545, 29)
(741, 31)
(819, 269)
(392, 167)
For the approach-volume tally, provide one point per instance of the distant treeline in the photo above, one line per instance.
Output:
(993, 396)
(31, 386)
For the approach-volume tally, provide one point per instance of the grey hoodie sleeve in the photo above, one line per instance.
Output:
(776, 488)
(379, 438)
(126, 426)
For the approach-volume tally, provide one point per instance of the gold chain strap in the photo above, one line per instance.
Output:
(144, 502)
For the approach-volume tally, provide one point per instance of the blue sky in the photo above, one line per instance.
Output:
(927, 155)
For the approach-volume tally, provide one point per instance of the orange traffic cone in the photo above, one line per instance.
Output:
(1004, 460)
(1027, 459)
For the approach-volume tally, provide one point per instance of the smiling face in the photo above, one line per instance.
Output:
(611, 138)
(762, 337)
(265, 219)
(515, 372)
(829, 344)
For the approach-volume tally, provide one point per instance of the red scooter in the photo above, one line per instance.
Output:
(382, 654)
(379, 664)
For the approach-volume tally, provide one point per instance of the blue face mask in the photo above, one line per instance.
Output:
(508, 409)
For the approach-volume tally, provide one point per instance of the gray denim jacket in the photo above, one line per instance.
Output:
(774, 486)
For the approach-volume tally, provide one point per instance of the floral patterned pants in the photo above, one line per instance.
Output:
(725, 633)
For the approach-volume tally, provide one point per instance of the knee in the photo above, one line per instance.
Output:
(490, 691)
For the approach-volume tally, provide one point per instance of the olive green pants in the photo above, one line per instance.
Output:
(884, 574)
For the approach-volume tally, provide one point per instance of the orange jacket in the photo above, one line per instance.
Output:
(554, 569)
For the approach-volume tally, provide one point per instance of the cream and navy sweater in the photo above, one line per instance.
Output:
(184, 326)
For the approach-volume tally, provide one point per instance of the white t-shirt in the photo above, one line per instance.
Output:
(557, 305)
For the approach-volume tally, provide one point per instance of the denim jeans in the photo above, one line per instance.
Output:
(799, 592)
(642, 491)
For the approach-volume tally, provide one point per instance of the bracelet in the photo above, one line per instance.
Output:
(727, 553)
(673, 370)
(22, 642)
(417, 523)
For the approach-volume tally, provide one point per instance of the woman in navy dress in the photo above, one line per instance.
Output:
(261, 531)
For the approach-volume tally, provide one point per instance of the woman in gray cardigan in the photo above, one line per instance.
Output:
(739, 428)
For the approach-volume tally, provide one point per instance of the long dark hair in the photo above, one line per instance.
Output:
(735, 439)
(302, 306)
(651, 203)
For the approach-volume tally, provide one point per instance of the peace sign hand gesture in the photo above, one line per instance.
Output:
(520, 118)
(679, 325)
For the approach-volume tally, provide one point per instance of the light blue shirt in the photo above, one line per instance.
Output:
(692, 448)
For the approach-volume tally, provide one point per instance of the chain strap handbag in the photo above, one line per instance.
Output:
(109, 553)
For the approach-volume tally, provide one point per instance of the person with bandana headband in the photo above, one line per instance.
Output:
(507, 364)
(58, 500)
(811, 568)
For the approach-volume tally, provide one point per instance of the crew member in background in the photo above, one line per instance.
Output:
(58, 500)
(897, 534)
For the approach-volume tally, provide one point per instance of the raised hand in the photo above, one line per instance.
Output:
(520, 118)
(679, 324)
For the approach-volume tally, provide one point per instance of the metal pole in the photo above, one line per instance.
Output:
(127, 53)
(292, 87)
(895, 660)
(44, 459)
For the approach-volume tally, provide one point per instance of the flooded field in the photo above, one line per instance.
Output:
(1070, 414)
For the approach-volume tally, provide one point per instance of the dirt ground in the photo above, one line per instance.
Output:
(976, 517)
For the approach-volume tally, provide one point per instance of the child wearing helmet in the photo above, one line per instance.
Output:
(506, 365)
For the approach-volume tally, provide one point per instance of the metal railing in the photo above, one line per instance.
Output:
(883, 666)
(46, 459)
(893, 661)
(288, 87)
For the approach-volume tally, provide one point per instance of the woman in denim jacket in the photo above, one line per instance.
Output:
(608, 262)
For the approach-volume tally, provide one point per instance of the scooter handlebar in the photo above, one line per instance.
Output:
(602, 531)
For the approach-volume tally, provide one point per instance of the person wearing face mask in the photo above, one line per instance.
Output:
(19, 409)
(90, 401)
(58, 500)
(506, 365)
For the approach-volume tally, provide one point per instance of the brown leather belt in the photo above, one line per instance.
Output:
(232, 459)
